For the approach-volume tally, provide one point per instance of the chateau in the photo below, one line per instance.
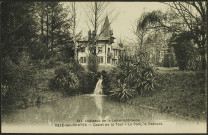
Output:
(107, 51)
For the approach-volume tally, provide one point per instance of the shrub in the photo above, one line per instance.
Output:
(18, 78)
(106, 83)
(88, 82)
(65, 81)
(145, 85)
(71, 79)
(131, 76)
(169, 61)
(188, 57)
(75, 67)
(121, 92)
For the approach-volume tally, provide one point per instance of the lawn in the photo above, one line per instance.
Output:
(179, 93)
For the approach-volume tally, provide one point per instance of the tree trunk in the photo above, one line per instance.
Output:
(52, 32)
(74, 31)
(95, 28)
(47, 24)
(203, 61)
(42, 25)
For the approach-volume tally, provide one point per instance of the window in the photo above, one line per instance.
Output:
(100, 49)
(82, 50)
(108, 50)
(83, 60)
(108, 60)
(100, 59)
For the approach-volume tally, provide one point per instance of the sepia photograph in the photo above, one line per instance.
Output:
(103, 66)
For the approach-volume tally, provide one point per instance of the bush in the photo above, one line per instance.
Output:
(71, 79)
(65, 81)
(188, 57)
(122, 93)
(88, 82)
(18, 78)
(129, 77)
(169, 61)
(106, 83)
(145, 85)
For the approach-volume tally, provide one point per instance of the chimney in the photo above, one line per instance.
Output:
(111, 32)
(89, 34)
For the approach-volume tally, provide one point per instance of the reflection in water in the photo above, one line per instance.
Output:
(69, 110)
(98, 103)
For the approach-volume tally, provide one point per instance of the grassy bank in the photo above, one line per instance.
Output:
(178, 93)
(43, 91)
(39, 93)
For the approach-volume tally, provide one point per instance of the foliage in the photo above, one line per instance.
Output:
(180, 93)
(18, 28)
(187, 56)
(131, 77)
(122, 93)
(147, 82)
(71, 79)
(66, 53)
(54, 27)
(150, 18)
(106, 83)
(39, 28)
(92, 63)
(65, 81)
(191, 15)
(88, 82)
(18, 78)
(169, 60)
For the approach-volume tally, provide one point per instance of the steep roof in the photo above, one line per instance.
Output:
(105, 32)
(106, 29)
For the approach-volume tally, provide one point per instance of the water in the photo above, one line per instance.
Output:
(98, 89)
(83, 107)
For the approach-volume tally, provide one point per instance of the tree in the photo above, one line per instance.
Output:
(75, 35)
(54, 28)
(96, 17)
(18, 28)
(183, 17)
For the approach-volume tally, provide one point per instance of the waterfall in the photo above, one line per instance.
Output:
(98, 89)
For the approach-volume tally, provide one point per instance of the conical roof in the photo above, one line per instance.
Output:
(106, 29)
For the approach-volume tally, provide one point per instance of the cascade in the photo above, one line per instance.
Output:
(98, 89)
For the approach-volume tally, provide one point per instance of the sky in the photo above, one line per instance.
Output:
(128, 13)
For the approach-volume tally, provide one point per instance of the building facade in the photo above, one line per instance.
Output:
(107, 51)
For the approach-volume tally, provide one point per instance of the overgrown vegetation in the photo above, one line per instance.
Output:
(131, 78)
(192, 16)
(178, 93)
(187, 55)
(38, 63)
(71, 79)
(35, 38)
(18, 78)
